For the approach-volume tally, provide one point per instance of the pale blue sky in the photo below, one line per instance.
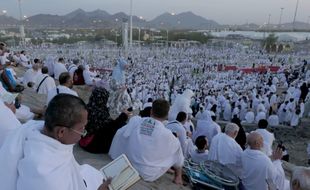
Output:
(222, 11)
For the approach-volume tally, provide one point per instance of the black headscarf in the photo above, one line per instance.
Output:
(98, 112)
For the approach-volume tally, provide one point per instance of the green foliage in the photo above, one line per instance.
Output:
(270, 42)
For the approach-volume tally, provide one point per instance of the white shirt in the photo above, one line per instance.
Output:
(258, 169)
(268, 140)
(62, 90)
(273, 120)
(58, 69)
(24, 61)
(31, 76)
(47, 85)
(149, 145)
(8, 122)
(32, 160)
(178, 128)
(198, 157)
(249, 117)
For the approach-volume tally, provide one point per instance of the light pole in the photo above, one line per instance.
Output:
(280, 20)
(268, 24)
(22, 28)
(294, 21)
(130, 35)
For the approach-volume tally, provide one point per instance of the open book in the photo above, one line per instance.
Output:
(122, 173)
(8, 97)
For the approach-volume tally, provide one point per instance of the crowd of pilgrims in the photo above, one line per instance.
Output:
(192, 79)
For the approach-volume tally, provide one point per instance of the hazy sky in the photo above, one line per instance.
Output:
(222, 11)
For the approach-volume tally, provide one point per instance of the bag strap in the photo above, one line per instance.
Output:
(41, 83)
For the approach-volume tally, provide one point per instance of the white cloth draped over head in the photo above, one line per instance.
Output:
(227, 151)
(206, 127)
(31, 160)
(181, 103)
(151, 148)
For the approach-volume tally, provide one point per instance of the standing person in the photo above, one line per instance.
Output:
(39, 155)
(149, 145)
(59, 67)
(267, 136)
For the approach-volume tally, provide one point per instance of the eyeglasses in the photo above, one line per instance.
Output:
(83, 133)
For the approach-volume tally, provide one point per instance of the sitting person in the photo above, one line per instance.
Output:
(149, 145)
(6, 77)
(249, 116)
(273, 119)
(39, 155)
(31, 75)
(44, 82)
(258, 170)
(201, 153)
(78, 78)
(10, 122)
(177, 127)
(300, 179)
(65, 86)
(100, 127)
(267, 136)
(90, 77)
(226, 150)
(59, 67)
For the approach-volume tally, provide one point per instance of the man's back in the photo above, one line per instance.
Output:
(58, 69)
(153, 149)
(46, 85)
(60, 89)
(268, 140)
(257, 169)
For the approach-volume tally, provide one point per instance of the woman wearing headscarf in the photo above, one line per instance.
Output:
(100, 127)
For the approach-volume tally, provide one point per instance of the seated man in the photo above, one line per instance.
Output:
(249, 116)
(44, 82)
(207, 127)
(22, 112)
(273, 119)
(258, 171)
(59, 67)
(149, 145)
(32, 74)
(201, 153)
(300, 178)
(10, 122)
(267, 136)
(226, 150)
(177, 127)
(65, 86)
(39, 155)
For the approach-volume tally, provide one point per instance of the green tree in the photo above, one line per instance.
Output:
(269, 42)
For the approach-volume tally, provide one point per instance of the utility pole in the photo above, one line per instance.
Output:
(296, 9)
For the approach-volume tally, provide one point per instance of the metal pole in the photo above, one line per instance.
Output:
(268, 24)
(294, 21)
(280, 21)
(22, 29)
(167, 38)
(130, 35)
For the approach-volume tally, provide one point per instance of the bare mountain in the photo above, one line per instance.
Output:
(5, 20)
(186, 20)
